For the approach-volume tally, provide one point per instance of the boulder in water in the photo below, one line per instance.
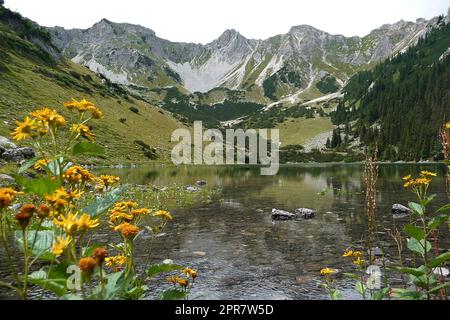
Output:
(278, 214)
(398, 209)
(305, 213)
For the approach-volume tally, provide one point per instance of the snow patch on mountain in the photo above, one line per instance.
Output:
(120, 78)
(205, 77)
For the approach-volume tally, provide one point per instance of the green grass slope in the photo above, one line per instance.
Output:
(33, 75)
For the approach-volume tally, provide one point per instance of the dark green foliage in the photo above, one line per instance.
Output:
(283, 75)
(180, 104)
(327, 85)
(172, 74)
(408, 97)
(277, 114)
(149, 152)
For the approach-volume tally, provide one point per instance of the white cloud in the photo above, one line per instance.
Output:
(204, 20)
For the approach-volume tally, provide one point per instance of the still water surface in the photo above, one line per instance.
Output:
(247, 255)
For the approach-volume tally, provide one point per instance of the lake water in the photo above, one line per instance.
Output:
(247, 255)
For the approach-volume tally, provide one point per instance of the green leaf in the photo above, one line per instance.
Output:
(419, 246)
(336, 294)
(436, 262)
(427, 201)
(103, 203)
(162, 268)
(436, 222)
(444, 208)
(404, 294)
(417, 208)
(360, 288)
(113, 285)
(414, 232)
(57, 286)
(27, 165)
(439, 288)
(172, 294)
(414, 271)
(43, 242)
(40, 187)
(380, 294)
(88, 148)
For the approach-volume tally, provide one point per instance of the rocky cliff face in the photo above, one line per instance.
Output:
(303, 60)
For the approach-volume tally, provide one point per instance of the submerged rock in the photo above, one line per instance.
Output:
(201, 183)
(305, 213)
(398, 209)
(300, 213)
(18, 154)
(190, 188)
(283, 215)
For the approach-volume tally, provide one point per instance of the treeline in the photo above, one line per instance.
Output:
(402, 103)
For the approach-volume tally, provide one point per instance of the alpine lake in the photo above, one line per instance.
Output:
(241, 253)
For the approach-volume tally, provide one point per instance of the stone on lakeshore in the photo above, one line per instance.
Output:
(190, 188)
(278, 214)
(305, 213)
(399, 209)
(201, 183)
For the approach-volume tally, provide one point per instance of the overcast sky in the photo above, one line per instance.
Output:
(204, 20)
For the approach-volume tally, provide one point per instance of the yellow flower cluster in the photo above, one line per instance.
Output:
(83, 130)
(178, 280)
(83, 106)
(115, 262)
(163, 214)
(60, 245)
(71, 223)
(62, 198)
(355, 254)
(77, 174)
(105, 182)
(424, 179)
(7, 196)
(39, 122)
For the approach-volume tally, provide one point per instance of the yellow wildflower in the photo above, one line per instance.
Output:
(83, 130)
(190, 272)
(48, 116)
(163, 214)
(408, 177)
(141, 212)
(359, 262)
(85, 222)
(77, 174)
(83, 106)
(59, 199)
(348, 253)
(40, 164)
(25, 129)
(127, 230)
(327, 272)
(118, 215)
(116, 262)
(107, 181)
(124, 205)
(447, 125)
(7, 196)
(357, 254)
(428, 174)
(61, 244)
(69, 224)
